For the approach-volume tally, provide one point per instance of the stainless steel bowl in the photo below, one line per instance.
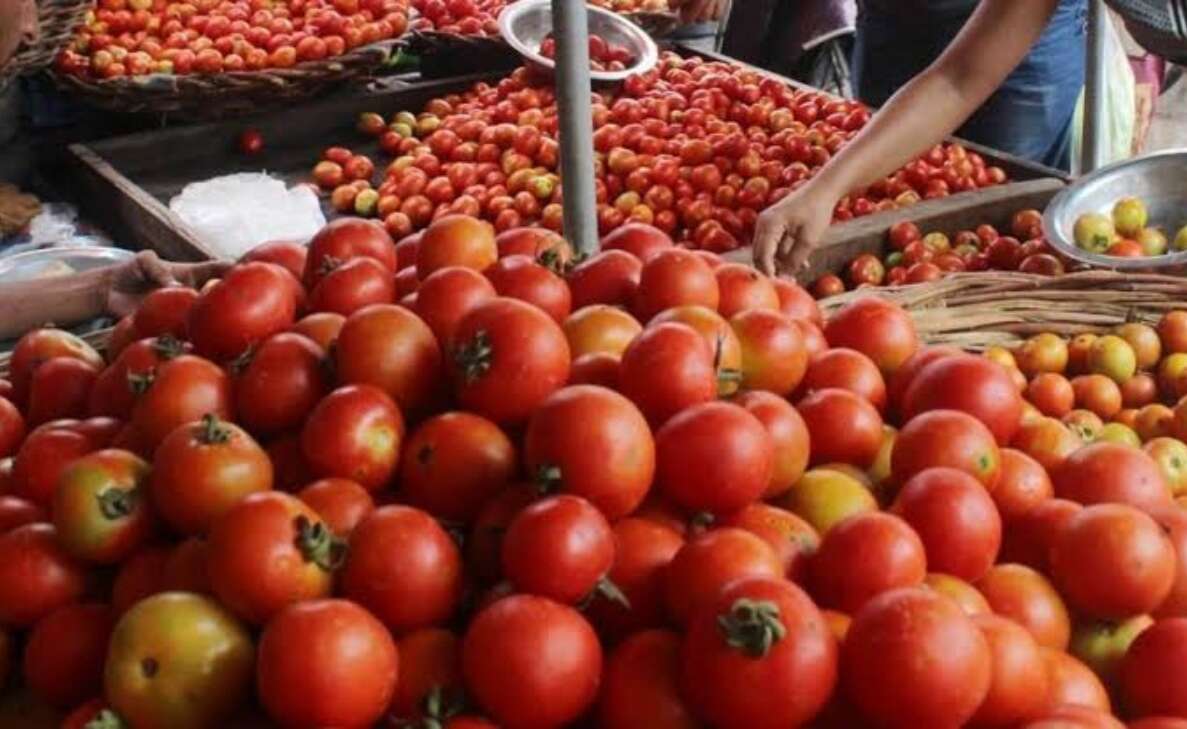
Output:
(50, 262)
(1159, 180)
(526, 23)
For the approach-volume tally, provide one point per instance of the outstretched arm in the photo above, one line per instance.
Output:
(934, 104)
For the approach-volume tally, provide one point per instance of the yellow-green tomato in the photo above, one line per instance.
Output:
(101, 509)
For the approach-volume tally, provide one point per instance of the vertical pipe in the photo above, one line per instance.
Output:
(571, 30)
(1092, 151)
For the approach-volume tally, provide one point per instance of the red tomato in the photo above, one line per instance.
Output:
(164, 311)
(742, 289)
(36, 575)
(86, 713)
(456, 240)
(63, 663)
(507, 357)
(1152, 672)
(252, 302)
(268, 551)
(903, 377)
(202, 470)
(391, 348)
(15, 512)
(1112, 561)
(326, 663)
(863, 556)
(280, 384)
(446, 296)
(454, 463)
(639, 239)
(955, 518)
(354, 432)
(560, 548)
(1026, 597)
(404, 568)
(100, 509)
(140, 576)
(847, 369)
(1022, 485)
(343, 239)
(41, 345)
(353, 285)
(1019, 686)
(484, 544)
(911, 658)
(1110, 472)
(1073, 686)
(430, 666)
(185, 570)
(975, 385)
(594, 443)
(774, 353)
(520, 277)
(789, 437)
(878, 329)
(540, 244)
(42, 458)
(792, 539)
(60, 388)
(181, 391)
(842, 427)
(640, 685)
(288, 254)
(12, 428)
(114, 392)
(529, 661)
(714, 457)
(708, 562)
(610, 277)
(341, 503)
(642, 551)
(797, 303)
(673, 278)
(946, 438)
(321, 327)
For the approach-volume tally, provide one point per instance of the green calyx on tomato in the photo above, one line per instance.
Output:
(105, 719)
(139, 382)
(612, 592)
(212, 431)
(549, 479)
(552, 259)
(473, 358)
(439, 706)
(728, 378)
(328, 264)
(243, 361)
(167, 346)
(752, 626)
(117, 503)
(319, 545)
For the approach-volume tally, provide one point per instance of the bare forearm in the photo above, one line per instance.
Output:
(62, 300)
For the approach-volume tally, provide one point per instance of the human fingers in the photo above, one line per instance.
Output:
(769, 231)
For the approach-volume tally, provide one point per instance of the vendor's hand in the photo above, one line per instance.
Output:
(132, 280)
(790, 230)
(702, 11)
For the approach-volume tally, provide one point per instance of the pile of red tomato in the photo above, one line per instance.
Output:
(481, 17)
(141, 37)
(695, 148)
(913, 257)
(451, 482)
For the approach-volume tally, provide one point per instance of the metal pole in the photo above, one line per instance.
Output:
(571, 30)
(1092, 151)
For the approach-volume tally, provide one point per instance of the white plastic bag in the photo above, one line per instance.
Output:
(1116, 129)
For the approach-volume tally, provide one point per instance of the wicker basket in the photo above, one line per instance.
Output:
(984, 309)
(214, 96)
(57, 21)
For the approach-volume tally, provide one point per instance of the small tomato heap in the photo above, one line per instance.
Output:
(469, 481)
(916, 258)
(692, 147)
(139, 37)
(1125, 232)
(603, 55)
(480, 17)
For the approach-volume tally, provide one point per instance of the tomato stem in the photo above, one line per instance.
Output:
(473, 357)
(319, 545)
(752, 626)
(213, 431)
(117, 503)
(243, 361)
(612, 592)
(549, 478)
(105, 719)
(139, 383)
(167, 346)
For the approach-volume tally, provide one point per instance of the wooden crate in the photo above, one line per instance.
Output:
(964, 211)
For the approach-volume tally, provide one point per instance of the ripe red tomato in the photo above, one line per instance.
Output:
(42, 458)
(640, 685)
(352, 285)
(708, 562)
(59, 388)
(391, 348)
(181, 390)
(404, 568)
(454, 463)
(903, 377)
(792, 539)
(642, 551)
(1026, 597)
(541, 244)
(955, 518)
(593, 443)
(1018, 689)
(1112, 561)
(343, 239)
(321, 327)
(269, 551)
(639, 239)
(673, 278)
(1110, 472)
(341, 503)
(912, 658)
(742, 288)
(430, 665)
(520, 277)
(560, 547)
(326, 663)
(113, 393)
(456, 240)
(975, 385)
(36, 575)
(100, 507)
(1152, 671)
(797, 303)
(842, 427)
(1022, 485)
(847, 369)
(485, 538)
(63, 662)
(774, 354)
(164, 311)
(354, 432)
(902, 233)
(185, 570)
(507, 357)
(281, 382)
(250, 303)
(610, 277)
(41, 345)
(880, 330)
(863, 556)
(15, 512)
(140, 576)
(204, 468)
(789, 437)
(714, 457)
(290, 255)
(12, 428)
(946, 438)
(446, 296)
(529, 661)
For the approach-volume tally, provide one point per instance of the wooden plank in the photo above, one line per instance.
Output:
(994, 205)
